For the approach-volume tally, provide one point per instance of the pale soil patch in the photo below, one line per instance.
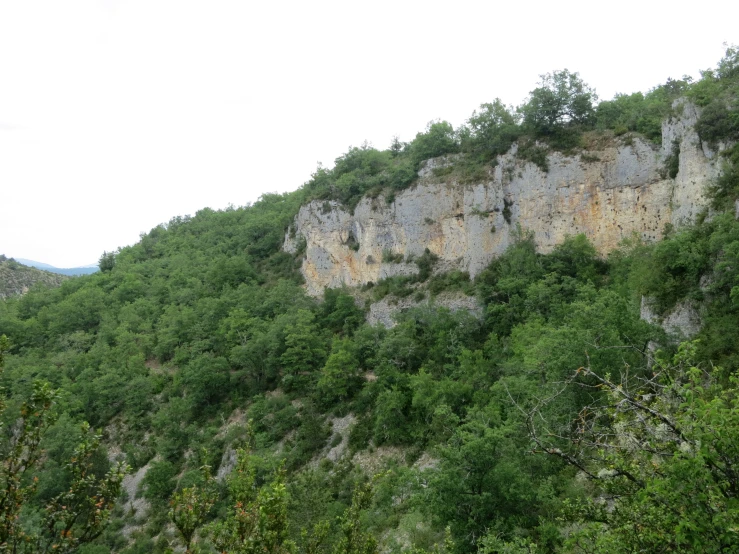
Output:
(374, 462)
(137, 507)
(341, 426)
(426, 461)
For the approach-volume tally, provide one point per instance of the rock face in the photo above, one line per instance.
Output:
(385, 311)
(608, 192)
(681, 323)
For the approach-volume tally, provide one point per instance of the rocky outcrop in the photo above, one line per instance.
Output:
(609, 192)
(386, 310)
(682, 322)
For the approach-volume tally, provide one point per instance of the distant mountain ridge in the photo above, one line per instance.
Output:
(16, 279)
(70, 271)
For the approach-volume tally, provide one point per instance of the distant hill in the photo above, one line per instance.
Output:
(16, 278)
(71, 271)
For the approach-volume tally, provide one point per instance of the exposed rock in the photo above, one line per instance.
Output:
(138, 508)
(697, 164)
(228, 463)
(386, 310)
(609, 194)
(647, 312)
(230, 455)
(682, 322)
(426, 461)
(341, 426)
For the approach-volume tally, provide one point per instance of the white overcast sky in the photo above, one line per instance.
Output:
(117, 115)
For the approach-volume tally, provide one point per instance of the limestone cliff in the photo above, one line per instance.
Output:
(616, 188)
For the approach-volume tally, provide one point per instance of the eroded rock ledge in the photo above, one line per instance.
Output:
(608, 194)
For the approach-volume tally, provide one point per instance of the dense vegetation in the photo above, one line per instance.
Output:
(559, 421)
(15, 278)
(558, 114)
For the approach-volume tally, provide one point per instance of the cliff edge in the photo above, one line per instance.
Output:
(616, 187)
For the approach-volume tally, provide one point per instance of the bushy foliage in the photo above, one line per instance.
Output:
(641, 113)
(561, 99)
(438, 139)
(490, 131)
(204, 325)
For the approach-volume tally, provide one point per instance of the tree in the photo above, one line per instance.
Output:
(190, 507)
(561, 100)
(339, 311)
(79, 515)
(74, 517)
(481, 479)
(438, 139)
(661, 453)
(340, 376)
(107, 261)
(490, 131)
(257, 522)
(354, 539)
(305, 349)
(206, 379)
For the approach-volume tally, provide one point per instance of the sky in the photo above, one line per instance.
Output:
(118, 115)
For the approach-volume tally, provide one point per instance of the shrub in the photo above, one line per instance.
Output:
(438, 139)
(390, 257)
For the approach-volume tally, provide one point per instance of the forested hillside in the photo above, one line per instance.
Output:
(16, 278)
(251, 417)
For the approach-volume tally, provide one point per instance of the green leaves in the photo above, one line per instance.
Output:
(438, 139)
(74, 517)
(191, 506)
(79, 515)
(305, 350)
(354, 539)
(490, 131)
(561, 100)
(257, 521)
(663, 450)
(340, 376)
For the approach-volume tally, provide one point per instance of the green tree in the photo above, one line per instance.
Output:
(340, 376)
(75, 516)
(79, 515)
(561, 100)
(305, 349)
(206, 379)
(354, 539)
(190, 507)
(663, 450)
(257, 522)
(107, 261)
(339, 312)
(482, 480)
(490, 131)
(438, 139)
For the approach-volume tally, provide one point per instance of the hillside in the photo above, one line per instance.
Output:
(17, 279)
(517, 336)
